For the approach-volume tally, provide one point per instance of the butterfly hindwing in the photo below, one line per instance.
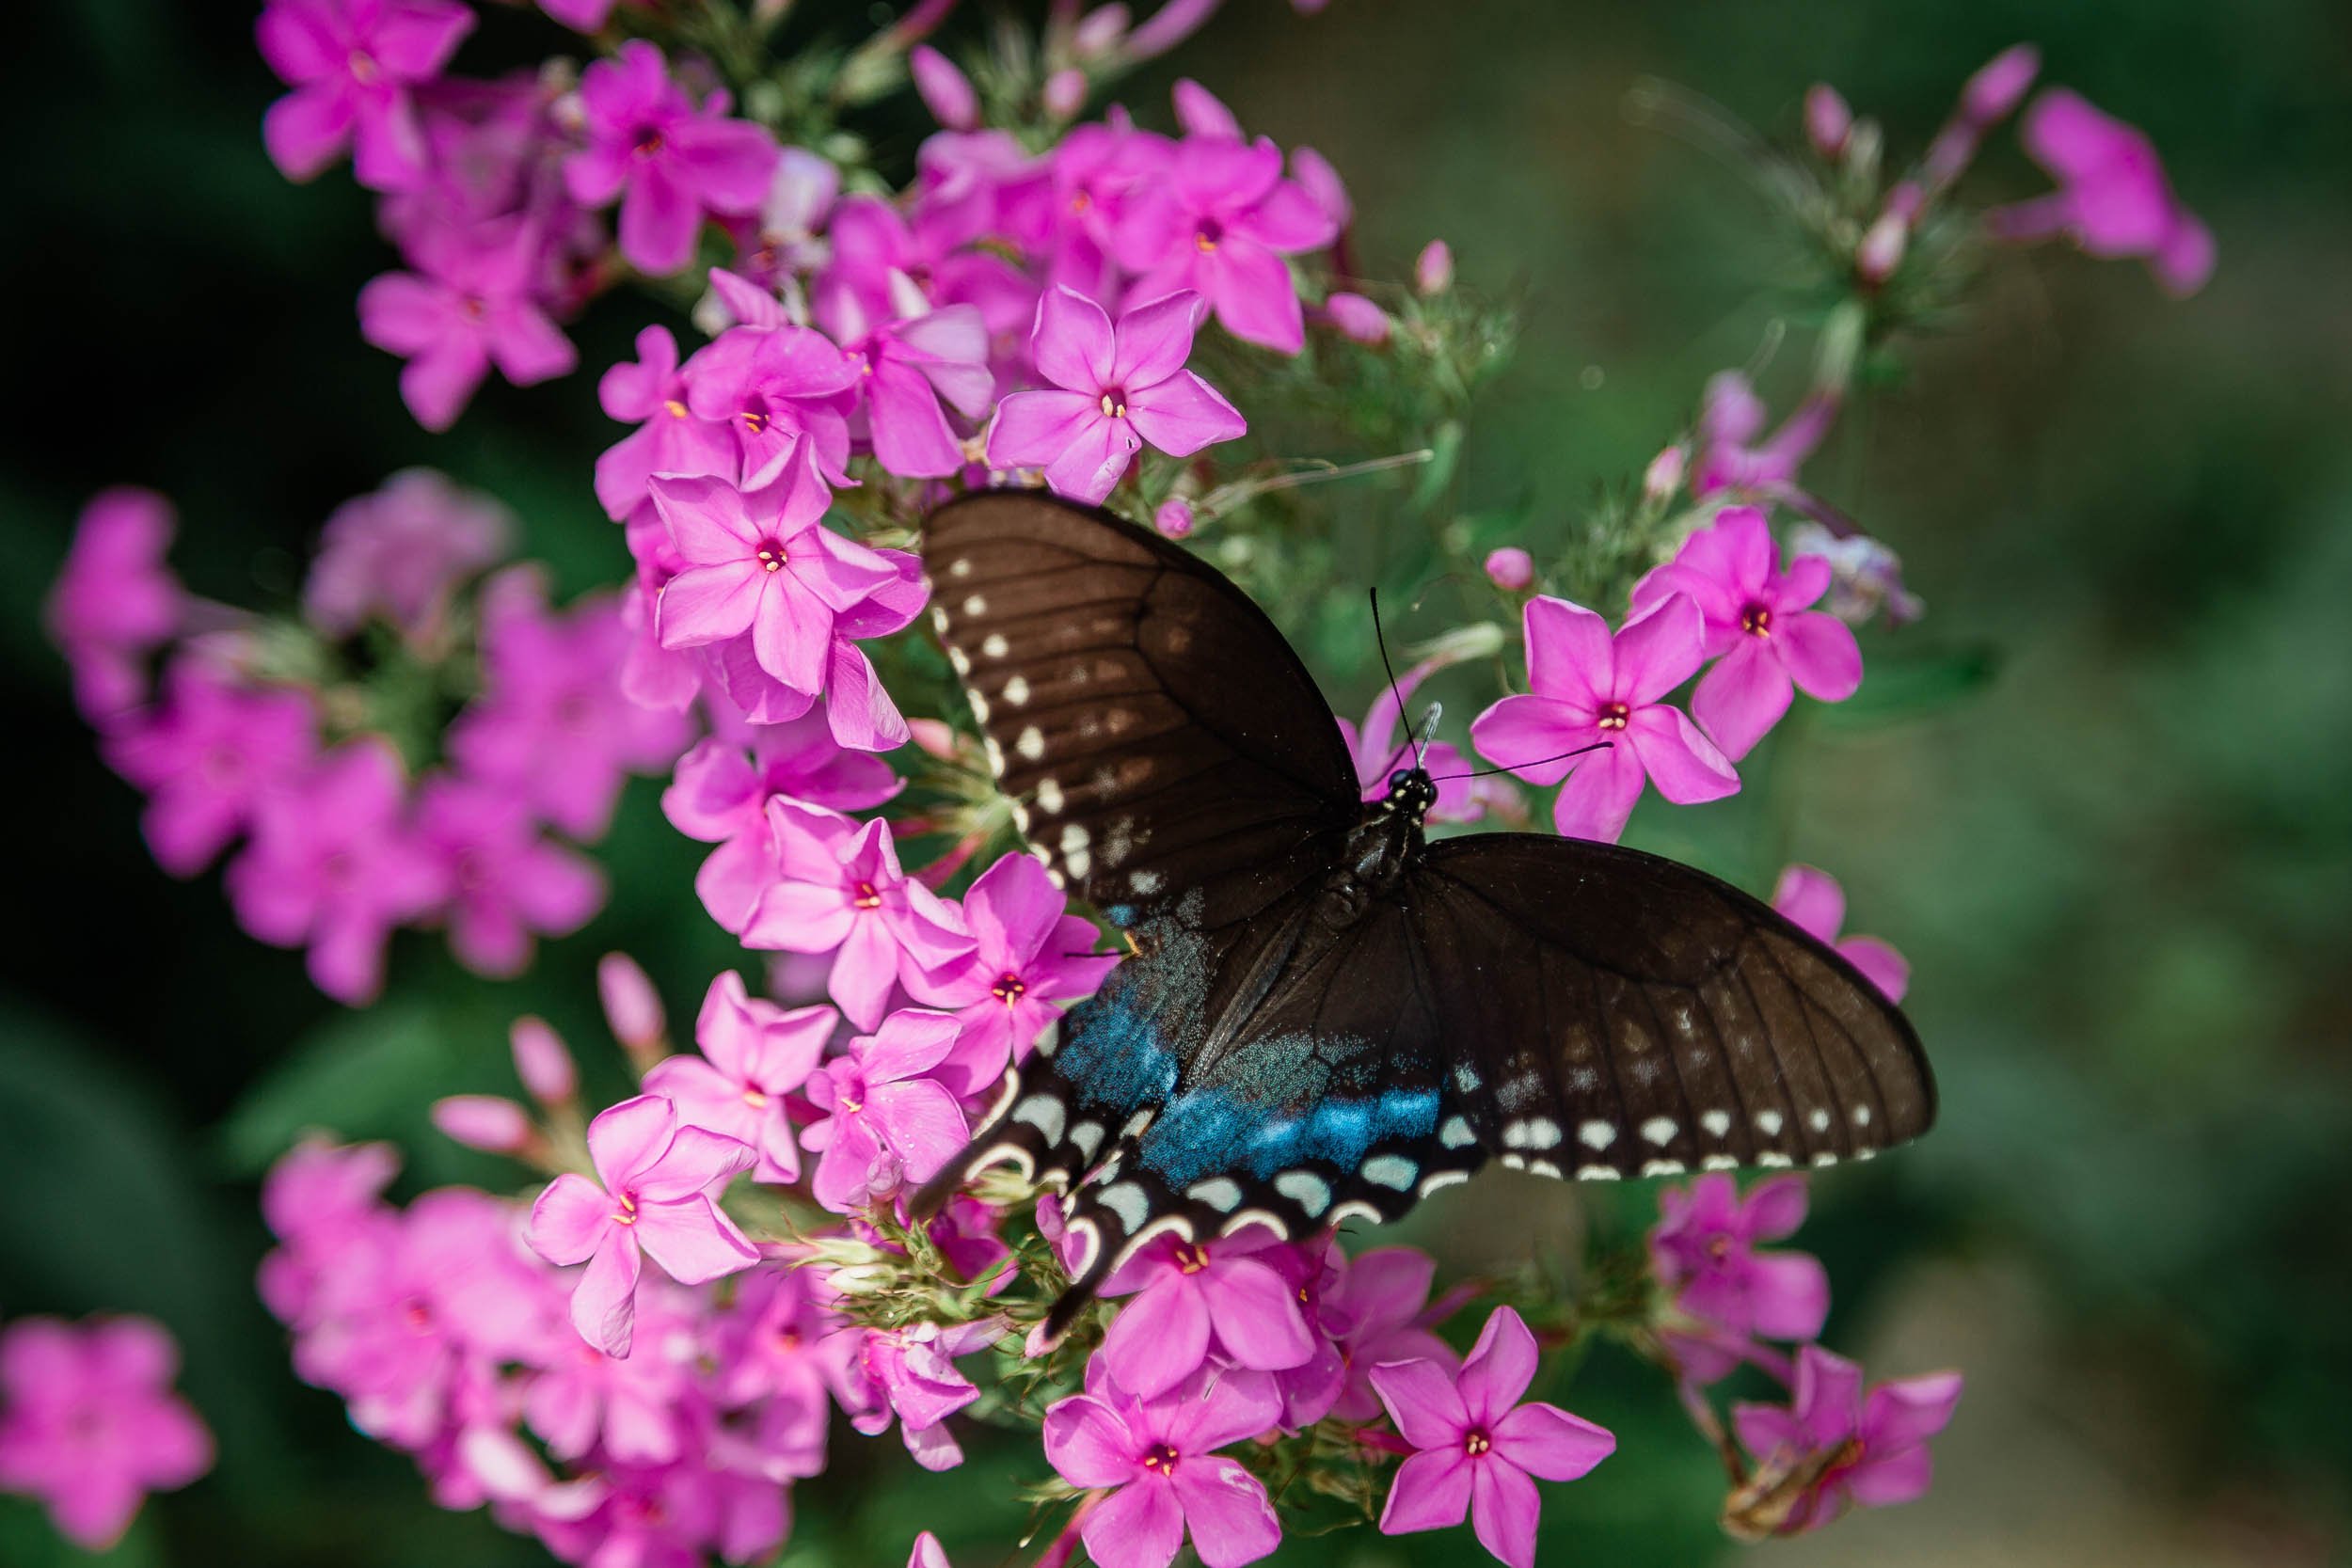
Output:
(1154, 731)
(1612, 1013)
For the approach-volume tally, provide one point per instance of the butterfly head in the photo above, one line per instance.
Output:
(1411, 792)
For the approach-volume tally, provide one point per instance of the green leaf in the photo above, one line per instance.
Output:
(1896, 688)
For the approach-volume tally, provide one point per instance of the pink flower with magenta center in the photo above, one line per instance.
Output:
(1158, 1460)
(88, 1423)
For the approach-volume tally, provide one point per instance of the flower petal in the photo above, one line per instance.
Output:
(1499, 1369)
(569, 1219)
(1811, 900)
(604, 1303)
(1549, 1442)
(630, 1136)
(1742, 697)
(1073, 344)
(1139, 1525)
(1182, 414)
(1503, 1511)
(692, 1240)
(1159, 1338)
(1432, 1491)
(1422, 1400)
(1597, 799)
(1659, 650)
(1684, 764)
(1820, 655)
(1088, 1443)
(1226, 1511)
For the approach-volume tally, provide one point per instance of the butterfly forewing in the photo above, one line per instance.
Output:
(1153, 729)
(1614, 1013)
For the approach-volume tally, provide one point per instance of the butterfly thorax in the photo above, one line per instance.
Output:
(1381, 847)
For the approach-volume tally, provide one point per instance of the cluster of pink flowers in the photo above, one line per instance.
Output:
(88, 1423)
(1836, 1443)
(241, 737)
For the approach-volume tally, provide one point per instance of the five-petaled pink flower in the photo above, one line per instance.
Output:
(1852, 1447)
(2113, 199)
(784, 393)
(891, 1122)
(657, 1176)
(472, 306)
(754, 1053)
(1121, 388)
(762, 563)
(207, 756)
(1766, 643)
(88, 1423)
(115, 601)
(1029, 956)
(666, 161)
(1478, 1444)
(906, 365)
(505, 880)
(351, 64)
(1159, 1458)
(1219, 223)
(839, 885)
(670, 437)
(1816, 904)
(1193, 1297)
(1592, 689)
(1704, 1250)
(1375, 1309)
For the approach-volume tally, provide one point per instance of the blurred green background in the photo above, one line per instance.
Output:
(2123, 868)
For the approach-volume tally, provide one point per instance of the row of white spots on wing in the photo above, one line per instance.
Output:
(1220, 1193)
(995, 756)
(1086, 1138)
(963, 665)
(1659, 1130)
(994, 646)
(1661, 1168)
(1021, 817)
(1597, 1135)
(1137, 1125)
(1598, 1173)
(1044, 1112)
(1311, 1191)
(1356, 1208)
(1818, 1120)
(1456, 1133)
(1719, 1162)
(1119, 842)
(1050, 1041)
(975, 605)
(1772, 1159)
(1049, 797)
(1249, 1218)
(1391, 1170)
(1030, 743)
(979, 705)
(1716, 1122)
(1532, 1132)
(1437, 1180)
(1145, 883)
(1768, 1123)
(1017, 691)
(1130, 1202)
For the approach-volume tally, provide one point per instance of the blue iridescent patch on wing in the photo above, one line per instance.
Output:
(1210, 1132)
(1120, 915)
(1115, 1055)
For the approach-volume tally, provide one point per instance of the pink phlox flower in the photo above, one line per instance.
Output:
(782, 1346)
(1376, 1311)
(1816, 904)
(505, 882)
(1866, 577)
(667, 162)
(1865, 1449)
(858, 708)
(472, 305)
(88, 1425)
(720, 795)
(115, 601)
(670, 438)
(582, 16)
(1767, 644)
(353, 64)
(318, 1200)
(2113, 199)
(549, 722)
(1730, 456)
(1481, 1450)
(1097, 171)
(1592, 689)
(928, 1553)
(1158, 1457)
(906, 366)
(581, 1398)
(1118, 388)
(889, 1123)
(974, 185)
(444, 1288)
(1380, 751)
(333, 865)
(651, 1516)
(874, 242)
(207, 755)
(400, 553)
(1704, 1251)
(1220, 225)
(1221, 1296)
(1311, 1388)
(911, 1373)
(754, 1053)
(653, 1186)
(784, 393)
(839, 885)
(965, 1233)
(784, 239)
(943, 88)
(1029, 957)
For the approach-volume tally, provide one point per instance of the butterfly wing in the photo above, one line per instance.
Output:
(1156, 734)
(1610, 1013)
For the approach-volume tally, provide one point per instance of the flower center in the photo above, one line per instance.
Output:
(1115, 403)
(1208, 235)
(627, 1212)
(1612, 715)
(649, 142)
(1719, 1248)
(865, 897)
(1756, 620)
(1476, 1441)
(756, 1097)
(1009, 988)
(1192, 1257)
(362, 66)
(1160, 1460)
(771, 554)
(416, 1315)
(678, 409)
(1081, 200)
(472, 308)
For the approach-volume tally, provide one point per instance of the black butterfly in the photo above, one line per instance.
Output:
(1327, 1017)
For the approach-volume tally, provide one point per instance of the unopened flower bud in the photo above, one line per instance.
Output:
(1174, 517)
(1478, 639)
(1066, 93)
(542, 1062)
(1433, 270)
(1357, 318)
(1663, 476)
(946, 90)
(936, 736)
(488, 1122)
(630, 1004)
(1881, 248)
(1828, 124)
(1098, 32)
(1510, 568)
(2000, 85)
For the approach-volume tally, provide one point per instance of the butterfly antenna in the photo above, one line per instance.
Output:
(1429, 725)
(1537, 762)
